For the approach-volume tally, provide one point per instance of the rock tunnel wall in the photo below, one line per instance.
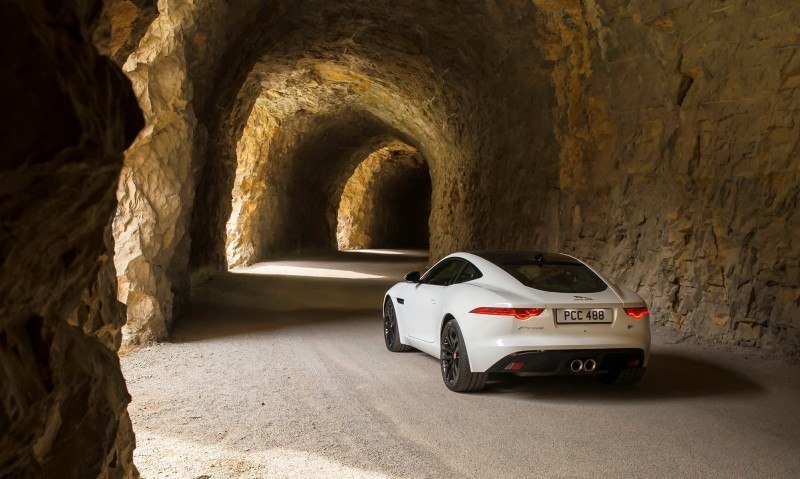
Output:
(311, 115)
(657, 140)
(68, 116)
(157, 180)
(678, 127)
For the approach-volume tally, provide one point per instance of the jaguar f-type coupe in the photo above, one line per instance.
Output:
(525, 313)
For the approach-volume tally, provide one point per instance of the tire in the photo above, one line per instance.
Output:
(622, 377)
(454, 360)
(391, 336)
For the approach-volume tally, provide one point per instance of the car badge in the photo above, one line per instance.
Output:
(582, 298)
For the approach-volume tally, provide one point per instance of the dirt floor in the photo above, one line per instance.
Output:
(279, 370)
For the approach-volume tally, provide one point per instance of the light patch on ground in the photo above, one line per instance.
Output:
(277, 269)
(177, 458)
(392, 252)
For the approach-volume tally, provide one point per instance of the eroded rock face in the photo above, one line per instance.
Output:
(679, 158)
(121, 25)
(157, 180)
(659, 142)
(68, 115)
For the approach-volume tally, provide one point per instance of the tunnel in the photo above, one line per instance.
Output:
(171, 169)
(297, 211)
(386, 202)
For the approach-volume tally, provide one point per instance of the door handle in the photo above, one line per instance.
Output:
(433, 301)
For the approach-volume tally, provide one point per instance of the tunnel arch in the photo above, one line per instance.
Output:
(298, 104)
(293, 193)
(386, 202)
(429, 83)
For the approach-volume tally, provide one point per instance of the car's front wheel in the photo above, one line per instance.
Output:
(391, 335)
(456, 372)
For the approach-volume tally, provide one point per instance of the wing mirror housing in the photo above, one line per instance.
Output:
(412, 277)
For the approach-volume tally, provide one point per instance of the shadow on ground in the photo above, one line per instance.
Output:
(214, 323)
(669, 376)
(294, 293)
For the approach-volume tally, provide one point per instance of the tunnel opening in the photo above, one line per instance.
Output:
(316, 176)
(404, 206)
(322, 176)
(386, 202)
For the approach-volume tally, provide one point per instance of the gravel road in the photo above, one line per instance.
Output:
(279, 370)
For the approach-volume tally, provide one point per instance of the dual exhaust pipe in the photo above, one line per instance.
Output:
(578, 365)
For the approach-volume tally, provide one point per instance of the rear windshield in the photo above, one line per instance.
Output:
(556, 276)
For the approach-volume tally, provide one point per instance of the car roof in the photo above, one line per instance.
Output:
(500, 257)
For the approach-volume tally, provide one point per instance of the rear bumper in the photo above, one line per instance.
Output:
(558, 361)
(489, 339)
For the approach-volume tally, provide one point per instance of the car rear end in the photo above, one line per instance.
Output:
(589, 326)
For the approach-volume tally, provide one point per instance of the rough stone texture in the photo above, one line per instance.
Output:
(657, 140)
(386, 202)
(68, 115)
(99, 313)
(156, 182)
(182, 47)
(679, 159)
(121, 25)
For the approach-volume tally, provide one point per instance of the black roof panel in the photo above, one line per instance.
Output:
(514, 256)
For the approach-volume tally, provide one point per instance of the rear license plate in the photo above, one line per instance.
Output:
(583, 316)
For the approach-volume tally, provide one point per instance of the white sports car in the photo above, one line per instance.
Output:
(518, 312)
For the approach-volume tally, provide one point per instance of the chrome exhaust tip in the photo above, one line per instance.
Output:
(576, 365)
(589, 365)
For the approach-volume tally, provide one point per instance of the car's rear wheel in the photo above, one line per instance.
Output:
(623, 376)
(456, 372)
(391, 335)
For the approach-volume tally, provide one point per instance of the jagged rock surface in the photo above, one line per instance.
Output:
(157, 180)
(68, 115)
(122, 25)
(679, 159)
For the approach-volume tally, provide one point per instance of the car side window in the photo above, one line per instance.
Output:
(469, 273)
(444, 273)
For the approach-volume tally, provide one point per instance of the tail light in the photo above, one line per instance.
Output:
(515, 366)
(519, 313)
(636, 313)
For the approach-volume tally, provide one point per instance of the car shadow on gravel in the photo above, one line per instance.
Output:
(669, 376)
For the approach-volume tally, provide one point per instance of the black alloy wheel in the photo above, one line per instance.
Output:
(456, 372)
(391, 335)
(450, 354)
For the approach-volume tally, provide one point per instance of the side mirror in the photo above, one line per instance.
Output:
(412, 277)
